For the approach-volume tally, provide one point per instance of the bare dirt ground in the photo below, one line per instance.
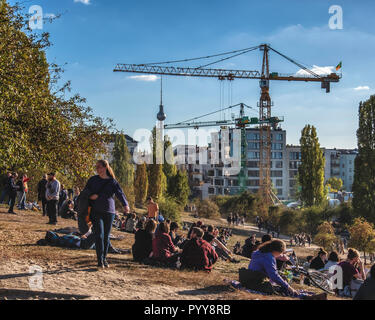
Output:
(71, 274)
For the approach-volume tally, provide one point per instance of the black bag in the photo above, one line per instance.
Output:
(255, 280)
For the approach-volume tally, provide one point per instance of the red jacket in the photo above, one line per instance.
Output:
(162, 246)
(198, 254)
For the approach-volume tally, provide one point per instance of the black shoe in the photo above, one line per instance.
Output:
(105, 263)
(11, 212)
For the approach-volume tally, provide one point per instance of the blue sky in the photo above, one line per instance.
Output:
(93, 35)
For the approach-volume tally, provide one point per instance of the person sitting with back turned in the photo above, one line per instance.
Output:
(198, 254)
(163, 249)
(142, 247)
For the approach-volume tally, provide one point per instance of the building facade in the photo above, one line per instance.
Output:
(209, 179)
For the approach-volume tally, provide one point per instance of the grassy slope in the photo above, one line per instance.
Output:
(70, 274)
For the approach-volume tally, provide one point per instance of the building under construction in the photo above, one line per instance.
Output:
(209, 180)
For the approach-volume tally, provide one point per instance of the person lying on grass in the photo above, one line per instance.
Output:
(198, 254)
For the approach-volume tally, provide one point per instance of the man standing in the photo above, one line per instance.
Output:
(42, 188)
(52, 196)
(12, 187)
(153, 209)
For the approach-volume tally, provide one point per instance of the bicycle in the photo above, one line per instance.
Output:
(295, 272)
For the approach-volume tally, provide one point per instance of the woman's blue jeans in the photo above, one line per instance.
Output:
(102, 226)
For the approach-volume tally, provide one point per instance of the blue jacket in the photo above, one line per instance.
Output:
(266, 263)
(106, 190)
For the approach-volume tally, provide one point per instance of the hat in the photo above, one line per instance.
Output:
(199, 223)
(52, 174)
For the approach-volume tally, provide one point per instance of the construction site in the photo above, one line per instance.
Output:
(267, 164)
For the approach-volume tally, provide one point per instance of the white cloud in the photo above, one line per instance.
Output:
(318, 70)
(147, 78)
(86, 2)
(360, 88)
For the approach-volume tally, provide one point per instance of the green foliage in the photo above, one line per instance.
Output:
(155, 181)
(345, 214)
(123, 167)
(335, 183)
(178, 187)
(208, 209)
(170, 209)
(141, 184)
(122, 162)
(243, 204)
(325, 236)
(274, 215)
(364, 172)
(311, 170)
(290, 222)
(312, 217)
(40, 128)
(362, 235)
(169, 168)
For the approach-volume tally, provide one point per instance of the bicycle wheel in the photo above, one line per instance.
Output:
(321, 281)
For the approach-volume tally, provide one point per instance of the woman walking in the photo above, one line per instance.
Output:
(102, 189)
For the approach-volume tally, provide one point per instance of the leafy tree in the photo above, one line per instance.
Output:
(156, 178)
(312, 218)
(40, 128)
(141, 184)
(362, 234)
(122, 163)
(311, 170)
(290, 222)
(364, 172)
(325, 236)
(208, 209)
(178, 187)
(335, 183)
(345, 213)
(243, 204)
(169, 168)
(170, 209)
(123, 167)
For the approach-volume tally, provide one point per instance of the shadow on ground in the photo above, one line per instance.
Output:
(12, 294)
(207, 291)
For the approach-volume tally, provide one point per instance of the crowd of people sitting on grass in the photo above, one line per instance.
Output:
(158, 242)
(268, 257)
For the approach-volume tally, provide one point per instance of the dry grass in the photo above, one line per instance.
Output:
(71, 274)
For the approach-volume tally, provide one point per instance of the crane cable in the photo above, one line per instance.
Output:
(201, 58)
(296, 63)
(211, 113)
(227, 58)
